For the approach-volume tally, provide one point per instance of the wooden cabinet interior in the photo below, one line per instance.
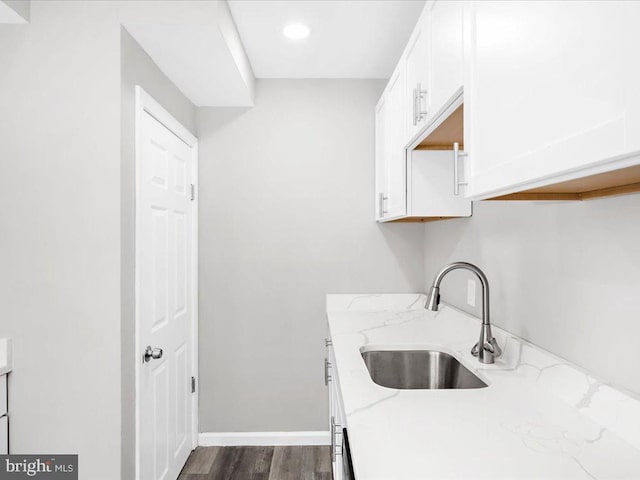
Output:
(607, 184)
(446, 134)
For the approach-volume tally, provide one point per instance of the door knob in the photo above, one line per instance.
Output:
(151, 353)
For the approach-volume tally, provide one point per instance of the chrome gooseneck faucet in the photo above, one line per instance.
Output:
(487, 348)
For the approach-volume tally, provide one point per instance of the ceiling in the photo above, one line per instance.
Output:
(349, 38)
(198, 60)
(197, 46)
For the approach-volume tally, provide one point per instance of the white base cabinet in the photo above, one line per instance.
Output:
(337, 417)
(4, 419)
(4, 435)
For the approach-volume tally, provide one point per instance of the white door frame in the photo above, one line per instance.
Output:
(146, 103)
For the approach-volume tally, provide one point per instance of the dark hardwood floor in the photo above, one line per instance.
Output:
(258, 463)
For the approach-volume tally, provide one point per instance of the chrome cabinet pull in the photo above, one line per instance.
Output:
(457, 154)
(415, 100)
(420, 94)
(381, 200)
(333, 438)
(327, 377)
(327, 342)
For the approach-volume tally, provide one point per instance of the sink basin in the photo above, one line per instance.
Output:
(418, 369)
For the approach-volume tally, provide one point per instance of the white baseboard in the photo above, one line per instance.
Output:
(231, 439)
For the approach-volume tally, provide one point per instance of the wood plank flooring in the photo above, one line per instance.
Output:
(258, 463)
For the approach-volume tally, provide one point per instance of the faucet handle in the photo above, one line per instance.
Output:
(497, 351)
(490, 346)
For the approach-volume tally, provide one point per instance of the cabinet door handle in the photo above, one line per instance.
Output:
(327, 377)
(415, 101)
(327, 342)
(457, 154)
(420, 94)
(333, 438)
(381, 199)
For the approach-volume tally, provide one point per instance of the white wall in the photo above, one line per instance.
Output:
(137, 68)
(66, 244)
(565, 276)
(286, 216)
(60, 227)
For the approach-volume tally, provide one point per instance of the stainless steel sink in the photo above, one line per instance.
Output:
(418, 369)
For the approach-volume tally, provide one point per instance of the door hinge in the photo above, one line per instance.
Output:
(193, 192)
(193, 384)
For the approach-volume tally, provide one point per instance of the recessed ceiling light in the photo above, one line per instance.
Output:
(296, 31)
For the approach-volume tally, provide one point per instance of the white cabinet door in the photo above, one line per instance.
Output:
(417, 92)
(336, 435)
(3, 395)
(554, 87)
(336, 417)
(431, 192)
(381, 152)
(396, 167)
(4, 420)
(390, 152)
(445, 26)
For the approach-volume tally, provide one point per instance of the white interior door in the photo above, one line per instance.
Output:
(165, 280)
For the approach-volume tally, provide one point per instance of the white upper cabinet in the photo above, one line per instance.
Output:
(417, 79)
(390, 152)
(415, 167)
(543, 98)
(434, 59)
(552, 92)
(445, 20)
(381, 151)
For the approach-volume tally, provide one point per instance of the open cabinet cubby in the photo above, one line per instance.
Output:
(616, 182)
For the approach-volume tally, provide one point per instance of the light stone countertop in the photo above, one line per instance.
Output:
(540, 417)
(6, 363)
